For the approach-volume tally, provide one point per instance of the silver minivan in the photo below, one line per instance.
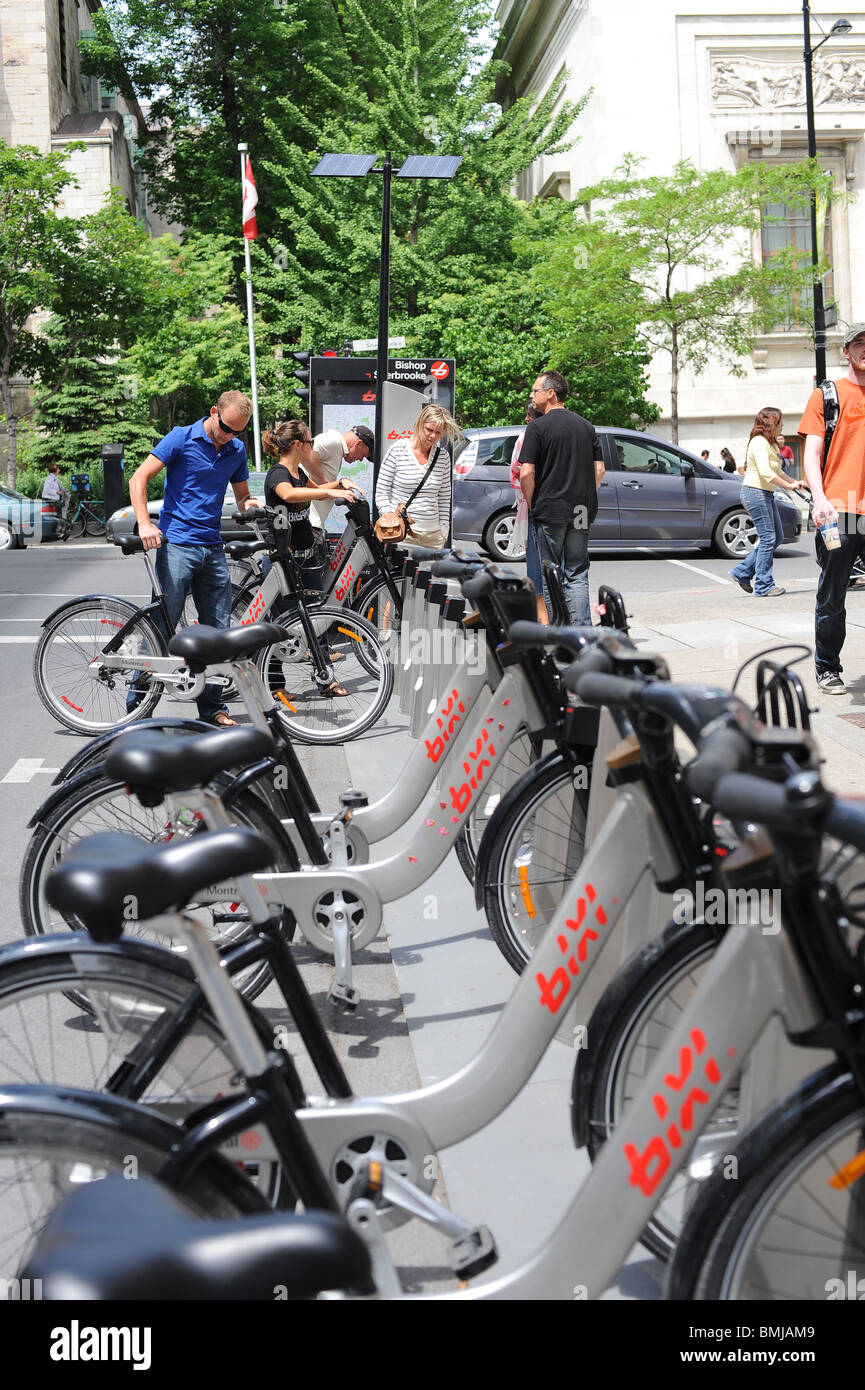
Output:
(654, 496)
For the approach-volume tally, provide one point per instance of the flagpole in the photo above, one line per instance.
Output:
(256, 431)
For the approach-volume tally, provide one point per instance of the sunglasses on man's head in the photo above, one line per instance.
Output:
(226, 429)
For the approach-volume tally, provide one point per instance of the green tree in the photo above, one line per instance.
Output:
(504, 333)
(82, 276)
(409, 78)
(194, 345)
(688, 242)
(212, 72)
(295, 79)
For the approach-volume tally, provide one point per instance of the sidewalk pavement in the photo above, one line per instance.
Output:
(699, 646)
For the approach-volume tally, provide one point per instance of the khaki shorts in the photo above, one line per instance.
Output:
(430, 540)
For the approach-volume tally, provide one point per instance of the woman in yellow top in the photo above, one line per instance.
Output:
(763, 474)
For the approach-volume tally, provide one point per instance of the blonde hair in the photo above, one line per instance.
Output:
(279, 440)
(237, 400)
(436, 414)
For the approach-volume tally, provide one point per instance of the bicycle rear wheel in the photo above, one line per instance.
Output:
(362, 669)
(94, 525)
(78, 526)
(63, 668)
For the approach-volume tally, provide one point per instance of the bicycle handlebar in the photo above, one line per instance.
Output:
(574, 639)
(723, 754)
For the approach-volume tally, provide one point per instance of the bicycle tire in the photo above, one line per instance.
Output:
(536, 841)
(374, 602)
(95, 802)
(87, 1015)
(52, 1140)
(516, 761)
(67, 646)
(792, 1224)
(94, 525)
(77, 527)
(287, 670)
(630, 1023)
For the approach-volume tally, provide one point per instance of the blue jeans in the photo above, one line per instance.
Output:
(762, 507)
(202, 571)
(533, 564)
(567, 546)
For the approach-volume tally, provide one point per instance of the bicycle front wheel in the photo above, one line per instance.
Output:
(96, 803)
(360, 666)
(792, 1224)
(375, 603)
(52, 1141)
(94, 525)
(85, 698)
(537, 841)
(516, 761)
(78, 527)
(630, 1025)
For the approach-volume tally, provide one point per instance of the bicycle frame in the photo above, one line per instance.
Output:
(752, 978)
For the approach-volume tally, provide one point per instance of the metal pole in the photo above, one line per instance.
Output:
(819, 309)
(256, 430)
(383, 316)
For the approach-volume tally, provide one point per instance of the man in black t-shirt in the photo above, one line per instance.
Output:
(561, 469)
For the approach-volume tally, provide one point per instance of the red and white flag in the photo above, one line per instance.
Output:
(250, 199)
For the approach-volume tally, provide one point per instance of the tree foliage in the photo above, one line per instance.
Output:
(67, 286)
(688, 240)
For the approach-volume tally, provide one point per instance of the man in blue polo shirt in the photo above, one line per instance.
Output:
(200, 460)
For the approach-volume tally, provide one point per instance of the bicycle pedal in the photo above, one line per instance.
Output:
(474, 1253)
(346, 996)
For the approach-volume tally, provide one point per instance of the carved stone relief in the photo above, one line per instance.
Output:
(740, 82)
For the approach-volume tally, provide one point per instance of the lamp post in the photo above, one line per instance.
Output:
(357, 166)
(841, 26)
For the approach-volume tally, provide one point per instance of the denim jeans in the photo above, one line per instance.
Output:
(762, 507)
(830, 623)
(567, 546)
(533, 564)
(202, 571)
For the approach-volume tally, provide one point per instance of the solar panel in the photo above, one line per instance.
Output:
(344, 166)
(422, 166)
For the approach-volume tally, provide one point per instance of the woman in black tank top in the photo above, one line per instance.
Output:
(288, 490)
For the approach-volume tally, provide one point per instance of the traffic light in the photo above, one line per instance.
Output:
(302, 375)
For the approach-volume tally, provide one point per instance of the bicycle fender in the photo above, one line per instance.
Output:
(131, 608)
(85, 755)
(83, 779)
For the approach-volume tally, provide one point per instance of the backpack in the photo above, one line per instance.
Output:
(831, 412)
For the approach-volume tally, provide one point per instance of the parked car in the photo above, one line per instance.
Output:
(24, 519)
(654, 496)
(122, 523)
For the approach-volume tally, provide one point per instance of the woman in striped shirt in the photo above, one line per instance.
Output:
(403, 468)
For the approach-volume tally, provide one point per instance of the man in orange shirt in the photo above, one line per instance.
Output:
(837, 486)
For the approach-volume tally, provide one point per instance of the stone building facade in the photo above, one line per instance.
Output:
(46, 101)
(718, 85)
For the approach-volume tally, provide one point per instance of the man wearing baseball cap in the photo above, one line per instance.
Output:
(332, 450)
(837, 484)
